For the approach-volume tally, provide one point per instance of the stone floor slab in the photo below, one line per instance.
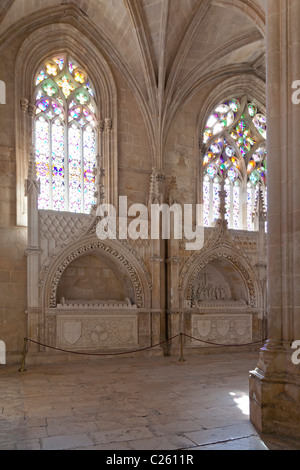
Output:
(132, 404)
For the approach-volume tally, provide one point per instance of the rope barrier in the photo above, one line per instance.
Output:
(22, 369)
(220, 344)
(103, 354)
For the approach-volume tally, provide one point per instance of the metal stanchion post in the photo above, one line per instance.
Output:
(181, 348)
(22, 369)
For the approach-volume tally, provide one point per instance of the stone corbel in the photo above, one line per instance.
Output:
(31, 110)
(202, 148)
(24, 105)
(108, 124)
(100, 126)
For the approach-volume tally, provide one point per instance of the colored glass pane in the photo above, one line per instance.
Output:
(42, 76)
(82, 98)
(51, 69)
(89, 158)
(211, 171)
(236, 207)
(42, 149)
(260, 123)
(252, 109)
(58, 171)
(206, 201)
(79, 76)
(60, 62)
(228, 189)
(49, 89)
(75, 171)
(89, 89)
(234, 105)
(65, 153)
(216, 200)
(66, 85)
(238, 154)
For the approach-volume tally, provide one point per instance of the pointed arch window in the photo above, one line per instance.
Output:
(234, 142)
(65, 137)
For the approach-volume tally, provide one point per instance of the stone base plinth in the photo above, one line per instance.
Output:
(275, 404)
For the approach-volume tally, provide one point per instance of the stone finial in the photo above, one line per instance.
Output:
(260, 211)
(155, 196)
(173, 196)
(99, 175)
(32, 183)
(222, 194)
(31, 174)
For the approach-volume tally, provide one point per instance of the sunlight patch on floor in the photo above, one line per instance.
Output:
(242, 401)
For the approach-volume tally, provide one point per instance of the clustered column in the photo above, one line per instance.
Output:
(275, 383)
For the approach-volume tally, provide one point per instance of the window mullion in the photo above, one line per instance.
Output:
(50, 165)
(66, 162)
(82, 169)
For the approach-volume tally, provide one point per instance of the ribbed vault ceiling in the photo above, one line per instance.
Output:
(164, 48)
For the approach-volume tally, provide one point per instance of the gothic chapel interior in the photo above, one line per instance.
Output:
(185, 102)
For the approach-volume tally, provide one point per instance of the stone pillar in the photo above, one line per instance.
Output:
(275, 383)
(157, 258)
(32, 252)
(174, 314)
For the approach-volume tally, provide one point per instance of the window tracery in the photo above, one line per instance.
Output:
(65, 136)
(234, 141)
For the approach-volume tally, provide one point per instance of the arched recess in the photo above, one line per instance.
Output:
(92, 278)
(199, 261)
(40, 44)
(45, 323)
(111, 250)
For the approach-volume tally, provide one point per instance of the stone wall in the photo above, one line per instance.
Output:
(13, 239)
(156, 84)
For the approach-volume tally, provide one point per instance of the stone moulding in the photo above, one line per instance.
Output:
(99, 304)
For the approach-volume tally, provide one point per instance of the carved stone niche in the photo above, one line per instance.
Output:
(91, 280)
(221, 313)
(95, 307)
(220, 285)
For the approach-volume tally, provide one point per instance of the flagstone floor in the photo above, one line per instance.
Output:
(124, 403)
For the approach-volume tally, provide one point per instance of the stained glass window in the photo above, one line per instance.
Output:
(234, 139)
(65, 135)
